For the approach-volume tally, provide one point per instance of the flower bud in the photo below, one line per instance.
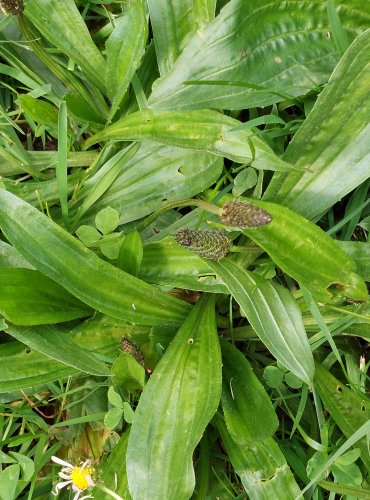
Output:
(133, 349)
(243, 215)
(14, 7)
(208, 244)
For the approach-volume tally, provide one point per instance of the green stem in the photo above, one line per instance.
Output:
(178, 204)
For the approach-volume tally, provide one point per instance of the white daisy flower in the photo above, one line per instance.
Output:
(78, 477)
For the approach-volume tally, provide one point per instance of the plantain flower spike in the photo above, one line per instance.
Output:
(243, 215)
(208, 244)
(14, 7)
(133, 349)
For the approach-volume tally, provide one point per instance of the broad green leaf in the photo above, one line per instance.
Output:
(249, 414)
(62, 24)
(131, 254)
(273, 314)
(261, 467)
(62, 258)
(172, 23)
(348, 409)
(166, 174)
(56, 344)
(205, 130)
(29, 298)
(360, 253)
(174, 409)
(335, 149)
(305, 252)
(113, 474)
(269, 48)
(125, 48)
(8, 481)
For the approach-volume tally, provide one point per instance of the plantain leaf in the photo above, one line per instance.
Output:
(172, 24)
(348, 409)
(336, 150)
(305, 252)
(166, 174)
(273, 314)
(65, 260)
(261, 467)
(360, 253)
(249, 414)
(62, 24)
(260, 51)
(125, 48)
(175, 407)
(29, 298)
(205, 130)
(56, 344)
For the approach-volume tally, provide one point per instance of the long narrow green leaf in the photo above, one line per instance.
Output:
(205, 130)
(273, 314)
(261, 467)
(125, 48)
(29, 298)
(62, 24)
(61, 168)
(57, 254)
(174, 409)
(57, 345)
(249, 414)
(336, 150)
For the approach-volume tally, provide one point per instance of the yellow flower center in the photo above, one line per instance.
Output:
(79, 477)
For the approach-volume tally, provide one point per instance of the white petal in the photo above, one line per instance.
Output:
(61, 462)
(86, 462)
(61, 485)
(64, 476)
(89, 481)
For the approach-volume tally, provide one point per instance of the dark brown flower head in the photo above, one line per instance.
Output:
(243, 215)
(14, 7)
(208, 244)
(133, 349)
